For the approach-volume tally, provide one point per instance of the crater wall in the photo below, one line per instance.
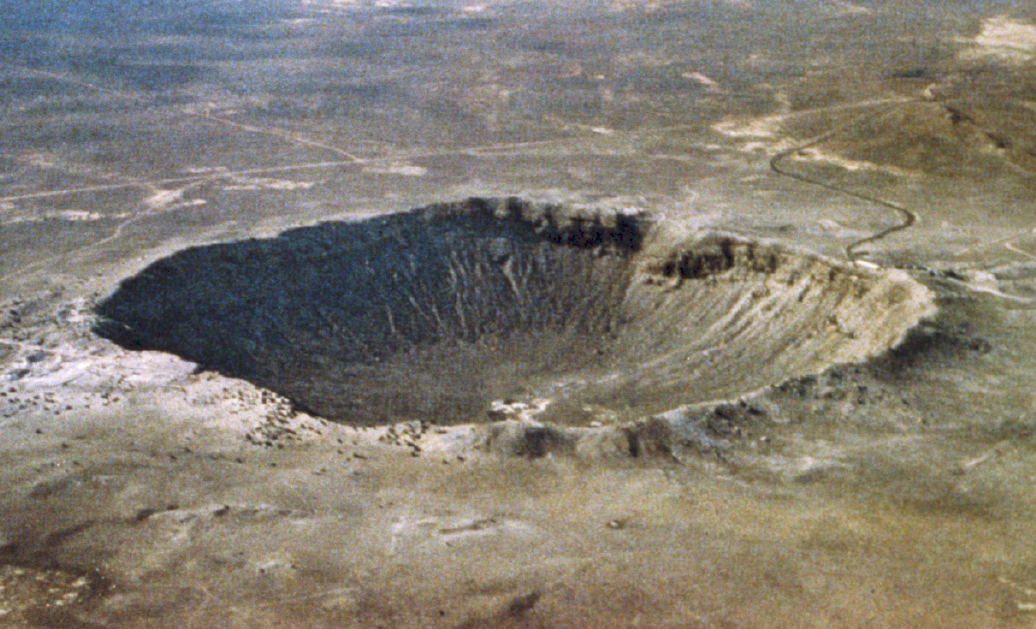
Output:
(437, 313)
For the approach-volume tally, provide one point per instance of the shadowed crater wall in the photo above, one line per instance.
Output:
(436, 313)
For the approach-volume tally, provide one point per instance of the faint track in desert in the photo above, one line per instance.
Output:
(157, 185)
(277, 133)
(1009, 242)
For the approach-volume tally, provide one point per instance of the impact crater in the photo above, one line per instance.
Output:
(445, 313)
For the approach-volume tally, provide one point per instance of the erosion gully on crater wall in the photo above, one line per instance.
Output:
(444, 313)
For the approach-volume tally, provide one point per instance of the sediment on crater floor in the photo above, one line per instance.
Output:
(437, 313)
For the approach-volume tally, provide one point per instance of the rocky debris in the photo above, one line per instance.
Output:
(844, 383)
(407, 435)
(511, 408)
(267, 419)
(526, 439)
(716, 254)
(30, 593)
(705, 430)
(20, 400)
(280, 429)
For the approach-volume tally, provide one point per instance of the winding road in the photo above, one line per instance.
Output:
(909, 217)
